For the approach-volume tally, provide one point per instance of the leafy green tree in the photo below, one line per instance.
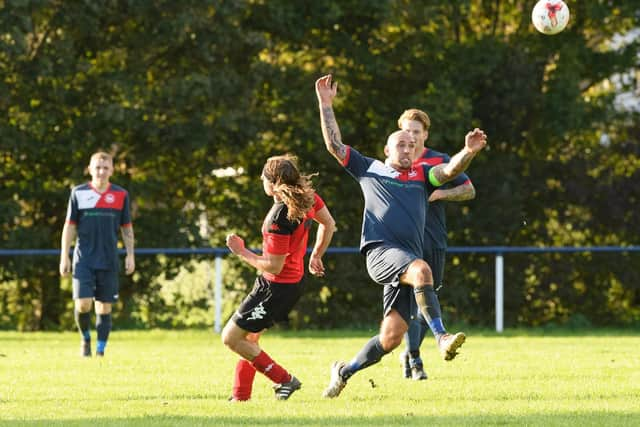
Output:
(193, 96)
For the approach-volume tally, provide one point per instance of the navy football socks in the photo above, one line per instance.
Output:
(370, 354)
(82, 322)
(430, 308)
(103, 327)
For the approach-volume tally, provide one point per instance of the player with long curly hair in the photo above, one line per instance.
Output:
(285, 232)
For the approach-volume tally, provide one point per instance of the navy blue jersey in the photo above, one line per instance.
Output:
(435, 230)
(395, 203)
(98, 218)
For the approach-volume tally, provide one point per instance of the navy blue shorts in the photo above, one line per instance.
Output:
(101, 285)
(267, 303)
(435, 257)
(385, 265)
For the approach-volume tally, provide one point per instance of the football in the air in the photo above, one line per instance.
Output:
(550, 16)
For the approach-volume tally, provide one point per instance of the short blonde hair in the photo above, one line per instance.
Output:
(415, 114)
(101, 155)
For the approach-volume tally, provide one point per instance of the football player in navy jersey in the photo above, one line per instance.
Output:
(285, 232)
(96, 212)
(395, 204)
(418, 124)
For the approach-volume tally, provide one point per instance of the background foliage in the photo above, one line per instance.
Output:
(180, 91)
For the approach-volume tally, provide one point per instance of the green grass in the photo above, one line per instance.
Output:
(183, 378)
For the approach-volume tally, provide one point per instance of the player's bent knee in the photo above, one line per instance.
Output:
(390, 342)
(424, 269)
(225, 336)
(228, 340)
(231, 336)
(419, 273)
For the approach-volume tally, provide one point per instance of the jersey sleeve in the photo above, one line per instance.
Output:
(355, 163)
(459, 180)
(319, 203)
(278, 232)
(72, 209)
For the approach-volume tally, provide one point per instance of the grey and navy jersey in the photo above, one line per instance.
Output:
(395, 203)
(98, 218)
(435, 231)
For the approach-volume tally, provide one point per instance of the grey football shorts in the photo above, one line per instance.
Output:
(385, 265)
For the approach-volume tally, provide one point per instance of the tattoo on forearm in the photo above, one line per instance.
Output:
(458, 164)
(331, 133)
(127, 238)
(462, 162)
(459, 193)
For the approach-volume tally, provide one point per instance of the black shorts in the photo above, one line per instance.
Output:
(267, 303)
(400, 298)
(435, 257)
(101, 285)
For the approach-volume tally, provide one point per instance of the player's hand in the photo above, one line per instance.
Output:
(475, 140)
(316, 267)
(65, 266)
(235, 243)
(326, 90)
(129, 264)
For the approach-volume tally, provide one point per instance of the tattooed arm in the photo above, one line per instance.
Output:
(127, 238)
(474, 142)
(459, 193)
(326, 91)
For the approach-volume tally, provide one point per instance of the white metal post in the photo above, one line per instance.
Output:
(499, 292)
(217, 326)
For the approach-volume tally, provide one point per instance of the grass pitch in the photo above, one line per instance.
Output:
(183, 378)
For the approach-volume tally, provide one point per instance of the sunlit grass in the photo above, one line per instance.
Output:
(183, 378)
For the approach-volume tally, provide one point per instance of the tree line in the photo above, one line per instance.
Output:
(181, 91)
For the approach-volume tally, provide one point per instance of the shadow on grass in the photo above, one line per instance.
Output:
(231, 419)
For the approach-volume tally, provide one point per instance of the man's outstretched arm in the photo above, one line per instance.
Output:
(326, 91)
(475, 141)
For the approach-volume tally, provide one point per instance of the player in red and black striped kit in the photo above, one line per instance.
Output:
(285, 233)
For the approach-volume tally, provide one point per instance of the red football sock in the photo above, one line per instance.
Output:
(265, 365)
(243, 381)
